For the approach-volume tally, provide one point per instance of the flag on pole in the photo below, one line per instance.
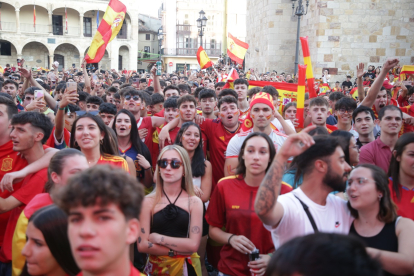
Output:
(107, 31)
(308, 62)
(406, 70)
(97, 20)
(34, 16)
(230, 79)
(66, 19)
(301, 94)
(203, 58)
(236, 49)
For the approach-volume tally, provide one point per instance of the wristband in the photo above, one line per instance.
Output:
(228, 241)
(62, 108)
(147, 168)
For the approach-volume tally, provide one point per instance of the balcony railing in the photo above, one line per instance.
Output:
(8, 26)
(72, 31)
(184, 28)
(28, 28)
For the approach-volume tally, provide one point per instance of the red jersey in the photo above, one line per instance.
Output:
(146, 122)
(402, 101)
(115, 161)
(134, 272)
(66, 139)
(232, 205)
(409, 109)
(329, 128)
(156, 143)
(160, 114)
(218, 138)
(406, 203)
(32, 185)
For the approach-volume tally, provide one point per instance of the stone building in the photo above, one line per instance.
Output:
(181, 39)
(341, 34)
(50, 40)
(148, 50)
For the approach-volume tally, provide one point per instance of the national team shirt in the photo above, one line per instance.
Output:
(276, 125)
(115, 161)
(406, 202)
(19, 236)
(160, 114)
(234, 146)
(218, 138)
(232, 206)
(32, 185)
(146, 122)
(409, 109)
(134, 272)
(334, 217)
(329, 128)
(10, 161)
(243, 114)
(132, 152)
(54, 143)
(156, 143)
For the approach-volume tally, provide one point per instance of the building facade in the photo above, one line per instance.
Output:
(50, 40)
(148, 50)
(341, 33)
(181, 37)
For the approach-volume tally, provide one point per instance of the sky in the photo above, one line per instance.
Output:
(149, 7)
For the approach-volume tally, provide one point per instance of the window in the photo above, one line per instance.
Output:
(147, 49)
(87, 26)
(123, 31)
(57, 24)
(147, 36)
(5, 48)
(212, 44)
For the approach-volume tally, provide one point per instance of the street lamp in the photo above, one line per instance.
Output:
(201, 23)
(160, 38)
(299, 12)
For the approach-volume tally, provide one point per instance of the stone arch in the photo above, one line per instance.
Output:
(42, 19)
(36, 54)
(8, 17)
(69, 54)
(123, 56)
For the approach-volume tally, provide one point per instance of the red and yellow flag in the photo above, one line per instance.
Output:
(308, 62)
(108, 29)
(406, 70)
(236, 49)
(34, 16)
(203, 58)
(301, 94)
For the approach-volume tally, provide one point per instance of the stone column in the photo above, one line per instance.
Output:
(81, 25)
(17, 20)
(50, 12)
(51, 62)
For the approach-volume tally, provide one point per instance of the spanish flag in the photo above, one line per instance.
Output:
(203, 58)
(308, 62)
(406, 70)
(236, 49)
(108, 29)
(301, 94)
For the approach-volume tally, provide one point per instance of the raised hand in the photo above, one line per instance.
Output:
(360, 70)
(25, 72)
(297, 143)
(390, 63)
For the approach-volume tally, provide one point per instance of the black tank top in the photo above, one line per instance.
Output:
(386, 240)
(171, 221)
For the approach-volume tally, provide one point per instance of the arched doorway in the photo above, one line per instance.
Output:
(123, 58)
(36, 54)
(8, 53)
(105, 62)
(67, 55)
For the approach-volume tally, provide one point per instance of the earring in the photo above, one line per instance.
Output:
(101, 141)
(76, 144)
(379, 197)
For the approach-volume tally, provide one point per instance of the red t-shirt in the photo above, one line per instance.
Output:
(406, 203)
(134, 272)
(232, 206)
(402, 101)
(10, 162)
(329, 128)
(218, 138)
(156, 144)
(408, 109)
(32, 185)
(146, 122)
(160, 114)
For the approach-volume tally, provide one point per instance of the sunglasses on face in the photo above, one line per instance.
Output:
(128, 97)
(174, 163)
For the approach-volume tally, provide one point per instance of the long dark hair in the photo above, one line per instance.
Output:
(388, 211)
(53, 223)
(57, 163)
(241, 167)
(198, 166)
(134, 134)
(345, 137)
(106, 147)
(394, 168)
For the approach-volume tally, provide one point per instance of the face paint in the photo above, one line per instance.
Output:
(138, 104)
(268, 117)
(129, 126)
(177, 116)
(222, 115)
(66, 122)
(126, 103)
(236, 113)
(251, 115)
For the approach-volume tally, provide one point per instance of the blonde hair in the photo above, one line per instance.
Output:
(186, 180)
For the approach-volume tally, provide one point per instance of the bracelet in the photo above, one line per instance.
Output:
(228, 241)
(62, 108)
(147, 168)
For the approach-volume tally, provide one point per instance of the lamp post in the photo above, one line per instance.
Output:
(201, 23)
(160, 38)
(298, 12)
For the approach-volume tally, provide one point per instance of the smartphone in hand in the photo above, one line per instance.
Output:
(71, 86)
(38, 94)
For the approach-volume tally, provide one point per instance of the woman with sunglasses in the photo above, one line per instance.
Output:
(189, 137)
(171, 218)
(388, 237)
(232, 206)
(47, 249)
(91, 136)
(401, 175)
(130, 144)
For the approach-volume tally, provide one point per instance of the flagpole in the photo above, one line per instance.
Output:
(34, 16)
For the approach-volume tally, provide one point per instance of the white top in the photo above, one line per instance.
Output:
(276, 123)
(197, 181)
(334, 217)
(235, 143)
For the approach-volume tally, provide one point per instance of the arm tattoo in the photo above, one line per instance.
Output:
(195, 230)
(142, 231)
(162, 239)
(173, 245)
(269, 189)
(149, 244)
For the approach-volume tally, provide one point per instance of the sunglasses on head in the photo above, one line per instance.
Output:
(128, 97)
(174, 163)
(82, 112)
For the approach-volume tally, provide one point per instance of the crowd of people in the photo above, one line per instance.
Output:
(125, 173)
